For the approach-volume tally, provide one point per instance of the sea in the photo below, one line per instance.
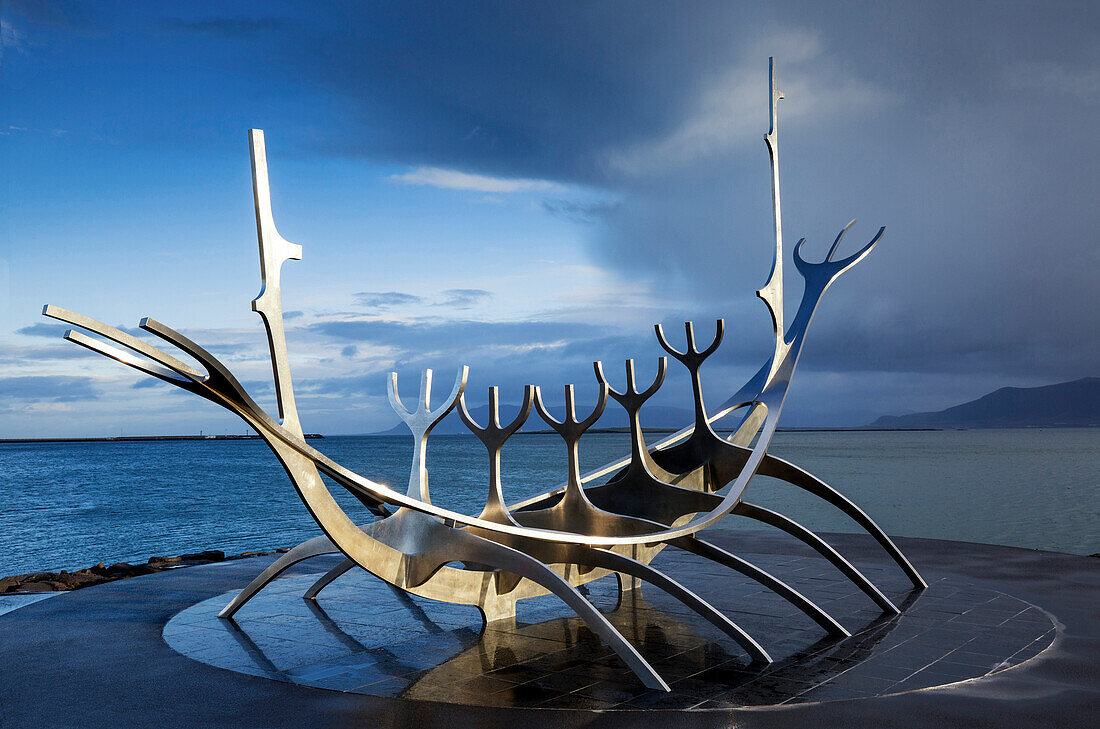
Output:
(72, 505)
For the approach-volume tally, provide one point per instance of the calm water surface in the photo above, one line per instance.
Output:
(69, 505)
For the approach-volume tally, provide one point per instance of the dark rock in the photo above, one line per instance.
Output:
(125, 569)
(74, 581)
(210, 555)
(38, 587)
(64, 580)
(39, 576)
(10, 583)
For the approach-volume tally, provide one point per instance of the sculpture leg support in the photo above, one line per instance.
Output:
(306, 550)
(822, 547)
(627, 582)
(716, 554)
(628, 566)
(792, 474)
(328, 578)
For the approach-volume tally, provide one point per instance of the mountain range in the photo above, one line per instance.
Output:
(1066, 404)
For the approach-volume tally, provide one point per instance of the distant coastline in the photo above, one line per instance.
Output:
(128, 438)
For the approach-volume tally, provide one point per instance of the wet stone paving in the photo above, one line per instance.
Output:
(365, 637)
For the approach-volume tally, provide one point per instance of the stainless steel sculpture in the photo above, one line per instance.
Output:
(657, 497)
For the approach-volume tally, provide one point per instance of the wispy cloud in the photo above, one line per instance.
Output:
(55, 388)
(452, 299)
(455, 180)
(52, 331)
(385, 299)
(580, 212)
(12, 37)
(463, 298)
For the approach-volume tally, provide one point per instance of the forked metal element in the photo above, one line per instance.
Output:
(493, 436)
(644, 489)
(551, 543)
(580, 510)
(421, 420)
(701, 444)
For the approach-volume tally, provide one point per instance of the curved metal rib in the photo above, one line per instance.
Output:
(634, 568)
(792, 474)
(717, 554)
(822, 547)
(327, 579)
(126, 340)
(540, 573)
(306, 550)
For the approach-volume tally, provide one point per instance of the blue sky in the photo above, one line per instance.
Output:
(528, 187)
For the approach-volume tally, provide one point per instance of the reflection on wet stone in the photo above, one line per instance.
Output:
(363, 636)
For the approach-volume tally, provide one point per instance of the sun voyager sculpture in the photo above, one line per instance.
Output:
(659, 496)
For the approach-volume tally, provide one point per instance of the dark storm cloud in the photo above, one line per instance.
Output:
(967, 129)
(536, 90)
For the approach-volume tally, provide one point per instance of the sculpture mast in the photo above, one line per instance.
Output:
(274, 251)
(772, 291)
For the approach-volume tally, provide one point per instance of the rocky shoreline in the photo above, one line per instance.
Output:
(100, 573)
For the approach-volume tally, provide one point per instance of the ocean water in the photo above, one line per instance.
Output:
(71, 505)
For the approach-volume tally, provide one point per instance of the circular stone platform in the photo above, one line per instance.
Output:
(1001, 636)
(363, 636)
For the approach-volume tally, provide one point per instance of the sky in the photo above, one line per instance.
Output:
(528, 187)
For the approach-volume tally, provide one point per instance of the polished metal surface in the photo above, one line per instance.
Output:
(552, 543)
